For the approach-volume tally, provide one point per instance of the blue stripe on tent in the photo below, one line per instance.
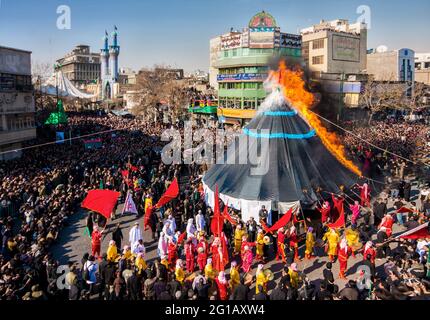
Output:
(280, 135)
(280, 113)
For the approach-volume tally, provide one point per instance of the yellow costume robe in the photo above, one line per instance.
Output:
(112, 253)
(180, 275)
(140, 263)
(333, 240)
(260, 244)
(238, 234)
(234, 278)
(261, 281)
(210, 272)
(294, 278)
(310, 242)
(128, 255)
(165, 262)
(353, 238)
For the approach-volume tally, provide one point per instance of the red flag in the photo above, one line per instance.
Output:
(148, 212)
(404, 210)
(217, 220)
(340, 222)
(265, 227)
(133, 168)
(101, 201)
(283, 221)
(422, 231)
(228, 217)
(171, 193)
(125, 174)
(224, 249)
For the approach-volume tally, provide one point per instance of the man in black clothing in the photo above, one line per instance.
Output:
(278, 293)
(329, 278)
(350, 291)
(117, 236)
(102, 269)
(379, 211)
(261, 295)
(133, 287)
(159, 287)
(251, 226)
(407, 190)
(174, 285)
(241, 292)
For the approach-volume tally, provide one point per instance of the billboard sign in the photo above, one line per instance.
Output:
(287, 40)
(261, 38)
(231, 41)
(242, 77)
(346, 48)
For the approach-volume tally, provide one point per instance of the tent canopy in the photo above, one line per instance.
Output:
(293, 163)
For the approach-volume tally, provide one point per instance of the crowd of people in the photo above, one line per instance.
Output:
(42, 190)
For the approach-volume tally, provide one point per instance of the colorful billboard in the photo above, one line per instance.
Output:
(261, 38)
(242, 77)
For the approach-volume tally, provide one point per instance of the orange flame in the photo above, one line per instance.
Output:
(294, 90)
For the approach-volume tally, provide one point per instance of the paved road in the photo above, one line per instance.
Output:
(73, 244)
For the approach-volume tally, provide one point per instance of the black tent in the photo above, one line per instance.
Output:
(296, 160)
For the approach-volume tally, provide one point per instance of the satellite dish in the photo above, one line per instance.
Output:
(381, 49)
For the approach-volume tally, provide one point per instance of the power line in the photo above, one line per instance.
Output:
(55, 142)
(373, 145)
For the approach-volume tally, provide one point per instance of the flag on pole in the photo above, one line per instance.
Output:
(129, 205)
(101, 201)
(283, 221)
(171, 193)
(217, 220)
(422, 231)
(228, 217)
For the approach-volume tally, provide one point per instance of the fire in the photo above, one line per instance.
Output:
(294, 90)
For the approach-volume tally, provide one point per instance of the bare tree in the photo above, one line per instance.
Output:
(418, 95)
(159, 85)
(40, 73)
(381, 95)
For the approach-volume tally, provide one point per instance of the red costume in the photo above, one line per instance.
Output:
(365, 195)
(294, 242)
(202, 255)
(172, 255)
(96, 239)
(387, 222)
(189, 256)
(343, 255)
(281, 244)
(325, 211)
(216, 257)
(222, 289)
(369, 251)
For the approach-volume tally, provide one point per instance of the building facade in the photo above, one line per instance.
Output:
(17, 111)
(335, 47)
(422, 68)
(110, 67)
(396, 65)
(80, 66)
(239, 63)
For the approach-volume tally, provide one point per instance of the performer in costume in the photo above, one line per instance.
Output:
(209, 270)
(310, 243)
(247, 259)
(280, 239)
(387, 222)
(222, 286)
(261, 279)
(96, 239)
(189, 255)
(369, 249)
(364, 195)
(343, 254)
(239, 233)
(260, 245)
(353, 238)
(112, 252)
(162, 245)
(294, 275)
(172, 253)
(179, 272)
(140, 264)
(134, 236)
(234, 275)
(355, 208)
(127, 254)
(325, 211)
(332, 239)
(294, 242)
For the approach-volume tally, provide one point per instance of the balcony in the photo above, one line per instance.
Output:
(7, 137)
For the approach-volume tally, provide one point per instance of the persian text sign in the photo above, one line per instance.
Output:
(346, 48)
(232, 41)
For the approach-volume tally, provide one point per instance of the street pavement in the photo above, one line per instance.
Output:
(73, 243)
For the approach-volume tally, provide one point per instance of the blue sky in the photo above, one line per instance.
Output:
(177, 32)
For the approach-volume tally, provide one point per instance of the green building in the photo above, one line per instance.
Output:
(239, 64)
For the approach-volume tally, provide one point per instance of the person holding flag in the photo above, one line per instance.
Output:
(343, 254)
(332, 238)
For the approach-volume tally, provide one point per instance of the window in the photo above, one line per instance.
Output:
(318, 60)
(318, 44)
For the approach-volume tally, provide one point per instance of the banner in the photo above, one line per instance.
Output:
(101, 201)
(129, 205)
